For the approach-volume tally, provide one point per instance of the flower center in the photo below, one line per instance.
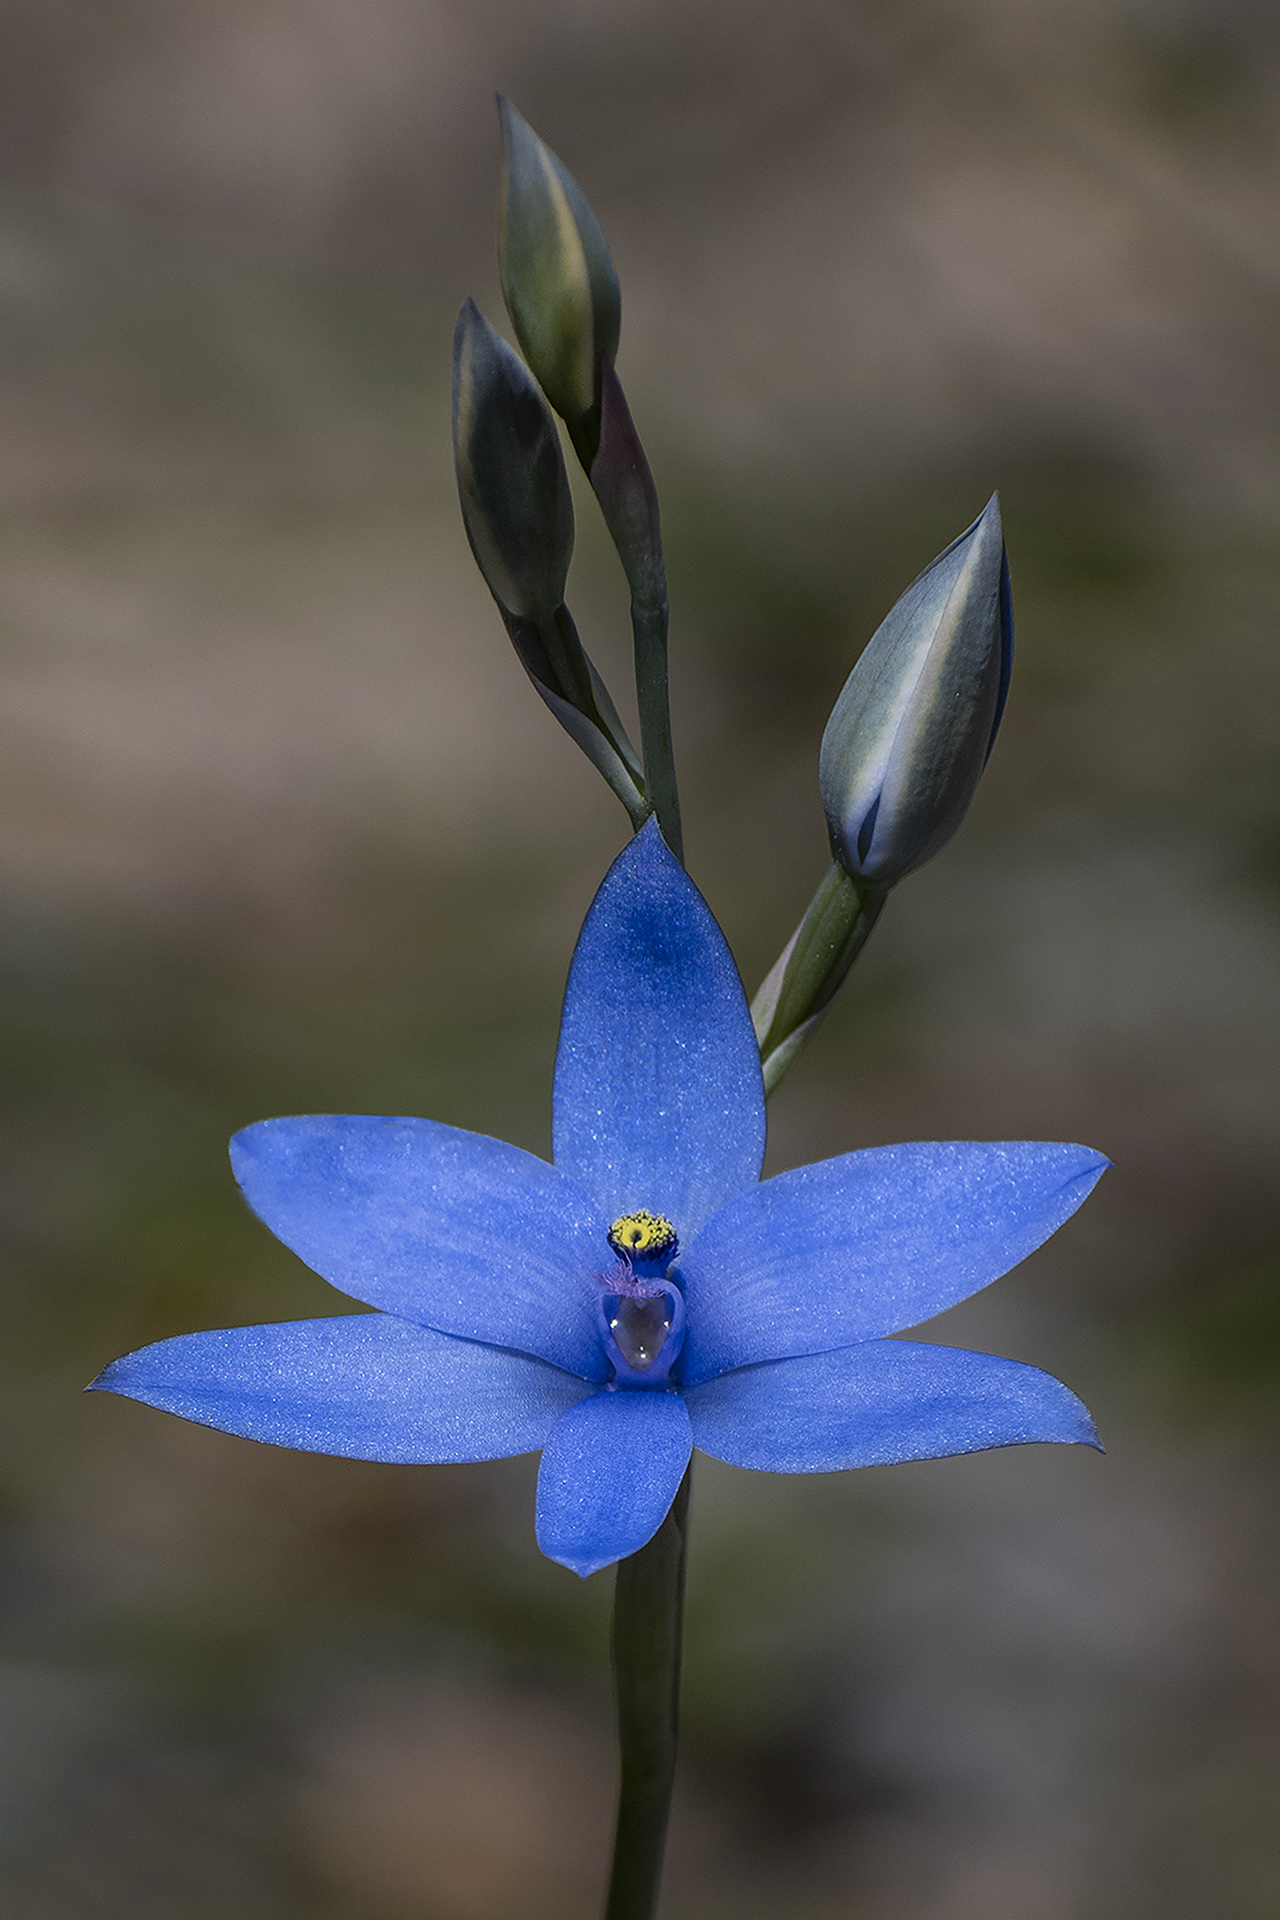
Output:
(643, 1238)
(641, 1311)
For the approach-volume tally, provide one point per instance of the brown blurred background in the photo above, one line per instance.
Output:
(282, 828)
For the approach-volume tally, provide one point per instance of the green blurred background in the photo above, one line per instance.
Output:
(282, 828)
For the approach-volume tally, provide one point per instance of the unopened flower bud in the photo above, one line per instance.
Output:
(557, 278)
(512, 484)
(910, 734)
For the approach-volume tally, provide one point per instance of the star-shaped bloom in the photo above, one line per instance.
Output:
(648, 1292)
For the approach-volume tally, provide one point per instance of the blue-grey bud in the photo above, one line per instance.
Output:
(558, 279)
(910, 734)
(514, 491)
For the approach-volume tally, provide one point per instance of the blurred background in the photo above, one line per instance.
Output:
(283, 828)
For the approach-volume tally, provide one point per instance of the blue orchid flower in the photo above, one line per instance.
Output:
(647, 1293)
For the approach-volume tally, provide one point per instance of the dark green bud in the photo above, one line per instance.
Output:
(557, 278)
(910, 734)
(514, 491)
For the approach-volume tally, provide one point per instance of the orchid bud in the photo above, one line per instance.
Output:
(512, 484)
(910, 734)
(557, 278)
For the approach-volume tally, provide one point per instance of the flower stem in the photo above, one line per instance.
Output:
(649, 629)
(623, 484)
(648, 1616)
(811, 968)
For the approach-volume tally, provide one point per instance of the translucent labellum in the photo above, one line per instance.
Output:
(911, 732)
(512, 484)
(643, 1326)
(558, 279)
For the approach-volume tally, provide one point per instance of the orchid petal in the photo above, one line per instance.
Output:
(883, 1401)
(365, 1385)
(609, 1473)
(853, 1248)
(451, 1229)
(658, 1097)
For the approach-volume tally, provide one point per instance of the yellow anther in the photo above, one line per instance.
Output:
(643, 1235)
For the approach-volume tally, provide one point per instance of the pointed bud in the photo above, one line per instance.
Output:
(511, 479)
(557, 278)
(910, 734)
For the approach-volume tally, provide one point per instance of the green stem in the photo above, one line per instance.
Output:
(649, 627)
(648, 1614)
(623, 484)
(810, 970)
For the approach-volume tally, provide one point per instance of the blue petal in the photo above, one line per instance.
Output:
(451, 1229)
(364, 1385)
(658, 1096)
(609, 1473)
(883, 1401)
(853, 1248)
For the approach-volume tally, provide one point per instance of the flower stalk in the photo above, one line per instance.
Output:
(800, 986)
(565, 677)
(648, 1622)
(623, 484)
